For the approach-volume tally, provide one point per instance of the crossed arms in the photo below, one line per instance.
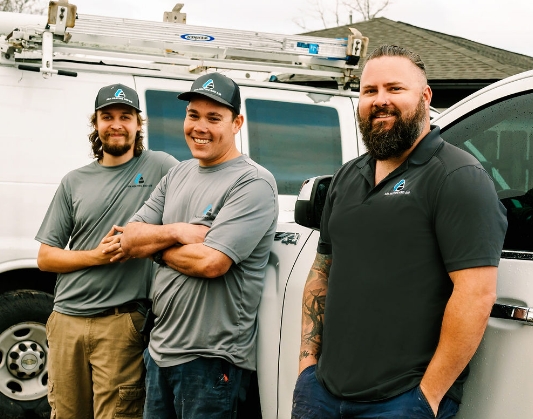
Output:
(182, 246)
(181, 243)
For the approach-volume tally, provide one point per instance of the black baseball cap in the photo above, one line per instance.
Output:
(218, 87)
(116, 93)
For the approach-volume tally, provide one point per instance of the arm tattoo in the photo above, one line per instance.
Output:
(313, 307)
(322, 264)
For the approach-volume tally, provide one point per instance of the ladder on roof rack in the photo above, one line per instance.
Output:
(180, 47)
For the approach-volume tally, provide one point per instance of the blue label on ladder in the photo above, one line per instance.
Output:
(311, 48)
(197, 37)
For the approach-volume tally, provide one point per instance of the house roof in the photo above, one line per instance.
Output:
(446, 57)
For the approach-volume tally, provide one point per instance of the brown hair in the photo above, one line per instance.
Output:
(397, 51)
(96, 144)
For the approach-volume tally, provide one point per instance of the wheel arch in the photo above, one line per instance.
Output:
(24, 274)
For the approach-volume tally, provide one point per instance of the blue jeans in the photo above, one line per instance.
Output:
(312, 401)
(205, 388)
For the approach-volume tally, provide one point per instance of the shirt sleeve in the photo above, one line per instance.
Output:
(152, 210)
(58, 222)
(470, 220)
(168, 163)
(246, 216)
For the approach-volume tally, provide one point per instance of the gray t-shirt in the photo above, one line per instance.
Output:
(213, 317)
(87, 203)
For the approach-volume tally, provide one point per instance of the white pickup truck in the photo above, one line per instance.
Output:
(495, 125)
(297, 131)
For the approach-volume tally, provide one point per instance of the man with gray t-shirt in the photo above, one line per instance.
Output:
(210, 225)
(95, 363)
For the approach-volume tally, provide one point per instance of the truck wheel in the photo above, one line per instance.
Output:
(23, 354)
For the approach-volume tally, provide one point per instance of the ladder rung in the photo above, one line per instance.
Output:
(174, 47)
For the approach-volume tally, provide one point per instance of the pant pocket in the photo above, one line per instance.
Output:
(49, 323)
(130, 402)
(425, 402)
(52, 399)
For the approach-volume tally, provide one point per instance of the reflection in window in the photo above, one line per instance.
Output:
(500, 136)
(165, 123)
(294, 141)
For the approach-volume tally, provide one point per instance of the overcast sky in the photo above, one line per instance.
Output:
(501, 24)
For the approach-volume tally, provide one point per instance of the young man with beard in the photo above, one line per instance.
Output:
(404, 280)
(210, 224)
(95, 365)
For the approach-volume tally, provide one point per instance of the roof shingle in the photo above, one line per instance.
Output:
(446, 57)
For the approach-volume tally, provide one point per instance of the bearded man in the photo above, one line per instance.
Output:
(404, 279)
(95, 363)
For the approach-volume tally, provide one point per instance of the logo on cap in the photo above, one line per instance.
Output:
(120, 94)
(209, 84)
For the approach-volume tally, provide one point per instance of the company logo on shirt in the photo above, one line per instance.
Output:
(398, 189)
(139, 179)
(207, 212)
(138, 182)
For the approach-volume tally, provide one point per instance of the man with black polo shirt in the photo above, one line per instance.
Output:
(404, 280)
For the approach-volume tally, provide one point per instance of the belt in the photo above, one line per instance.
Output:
(124, 308)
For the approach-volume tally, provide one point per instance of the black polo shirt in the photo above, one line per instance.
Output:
(392, 247)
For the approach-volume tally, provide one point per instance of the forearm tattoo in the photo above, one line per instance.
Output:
(314, 310)
(314, 303)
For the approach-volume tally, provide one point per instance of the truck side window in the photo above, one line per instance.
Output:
(165, 123)
(294, 141)
(500, 136)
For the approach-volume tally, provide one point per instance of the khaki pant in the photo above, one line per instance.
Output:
(95, 366)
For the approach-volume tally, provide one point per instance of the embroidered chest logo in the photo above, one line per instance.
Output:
(138, 182)
(398, 189)
(208, 213)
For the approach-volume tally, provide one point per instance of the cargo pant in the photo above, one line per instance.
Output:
(95, 366)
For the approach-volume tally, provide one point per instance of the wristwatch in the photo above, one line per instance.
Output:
(158, 258)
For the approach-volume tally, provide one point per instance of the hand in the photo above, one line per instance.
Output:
(434, 403)
(110, 245)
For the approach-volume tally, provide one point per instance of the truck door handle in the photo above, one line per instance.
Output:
(516, 313)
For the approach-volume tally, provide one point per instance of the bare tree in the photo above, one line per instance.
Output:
(322, 11)
(339, 12)
(18, 6)
(369, 9)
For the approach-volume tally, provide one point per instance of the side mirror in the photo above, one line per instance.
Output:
(311, 199)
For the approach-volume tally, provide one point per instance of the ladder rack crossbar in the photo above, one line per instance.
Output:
(154, 45)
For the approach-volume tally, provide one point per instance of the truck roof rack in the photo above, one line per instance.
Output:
(175, 47)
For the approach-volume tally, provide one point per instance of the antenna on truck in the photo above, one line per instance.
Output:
(178, 48)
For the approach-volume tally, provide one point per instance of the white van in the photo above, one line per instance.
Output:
(47, 93)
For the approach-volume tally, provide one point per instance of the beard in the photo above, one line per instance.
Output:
(382, 143)
(116, 150)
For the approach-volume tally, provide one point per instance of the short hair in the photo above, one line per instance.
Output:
(397, 51)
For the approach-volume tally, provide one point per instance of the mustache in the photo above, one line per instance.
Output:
(392, 110)
(108, 134)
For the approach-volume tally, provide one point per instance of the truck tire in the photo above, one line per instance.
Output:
(23, 354)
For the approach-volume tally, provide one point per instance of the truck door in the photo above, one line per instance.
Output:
(500, 135)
